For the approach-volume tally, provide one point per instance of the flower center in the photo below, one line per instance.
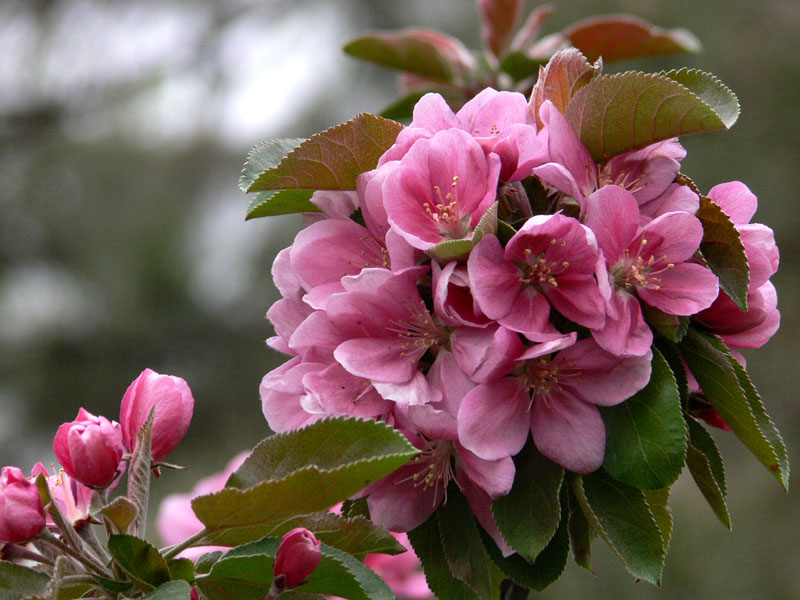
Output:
(625, 178)
(544, 377)
(633, 271)
(418, 332)
(374, 253)
(436, 468)
(445, 213)
(538, 271)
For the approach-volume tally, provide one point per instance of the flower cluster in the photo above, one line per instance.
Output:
(489, 279)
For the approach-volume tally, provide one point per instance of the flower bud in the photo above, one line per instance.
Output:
(21, 510)
(90, 449)
(174, 404)
(297, 556)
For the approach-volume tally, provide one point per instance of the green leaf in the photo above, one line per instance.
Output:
(547, 567)
(427, 543)
(238, 578)
(114, 586)
(646, 434)
(565, 73)
(121, 512)
(206, 561)
(333, 159)
(139, 474)
(17, 582)
(723, 250)
(171, 590)
(622, 517)
(658, 501)
(140, 560)
(705, 465)
(419, 51)
(264, 156)
(355, 535)
(618, 113)
(282, 202)
(581, 535)
(733, 396)
(709, 89)
(462, 544)
(529, 515)
(672, 327)
(246, 571)
(620, 37)
(355, 508)
(181, 568)
(444, 252)
(336, 457)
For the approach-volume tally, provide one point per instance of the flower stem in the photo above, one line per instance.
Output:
(83, 558)
(171, 551)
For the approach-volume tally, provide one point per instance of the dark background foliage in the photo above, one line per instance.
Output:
(123, 244)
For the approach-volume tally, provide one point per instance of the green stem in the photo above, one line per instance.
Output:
(78, 580)
(84, 558)
(171, 551)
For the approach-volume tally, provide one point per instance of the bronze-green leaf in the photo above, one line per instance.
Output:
(333, 159)
(618, 113)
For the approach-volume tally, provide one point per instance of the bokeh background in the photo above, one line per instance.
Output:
(123, 127)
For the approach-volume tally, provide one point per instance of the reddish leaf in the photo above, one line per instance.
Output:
(333, 159)
(618, 37)
(618, 113)
(425, 52)
(499, 20)
(565, 74)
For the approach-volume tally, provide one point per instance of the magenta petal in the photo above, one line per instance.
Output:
(485, 354)
(495, 477)
(613, 215)
(626, 333)
(397, 503)
(566, 149)
(338, 392)
(481, 505)
(569, 432)
(684, 289)
(492, 420)
(493, 279)
(529, 314)
(415, 391)
(432, 113)
(578, 298)
(673, 237)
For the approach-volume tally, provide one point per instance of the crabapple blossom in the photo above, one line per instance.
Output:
(174, 405)
(21, 509)
(90, 448)
(297, 556)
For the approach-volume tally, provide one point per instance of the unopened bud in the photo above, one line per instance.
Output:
(21, 510)
(90, 449)
(297, 556)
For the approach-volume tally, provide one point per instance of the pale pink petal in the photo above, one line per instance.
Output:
(494, 280)
(397, 503)
(675, 198)
(578, 298)
(416, 390)
(485, 354)
(673, 237)
(481, 505)
(338, 392)
(495, 477)
(376, 358)
(432, 113)
(736, 199)
(566, 149)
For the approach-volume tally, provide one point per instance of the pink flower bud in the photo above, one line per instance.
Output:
(297, 556)
(174, 405)
(90, 449)
(21, 510)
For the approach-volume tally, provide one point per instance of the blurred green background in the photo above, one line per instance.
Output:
(123, 127)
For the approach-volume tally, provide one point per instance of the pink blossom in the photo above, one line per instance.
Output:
(406, 498)
(174, 405)
(390, 326)
(648, 264)
(551, 260)
(176, 520)
(453, 301)
(555, 397)
(441, 189)
(646, 173)
(282, 392)
(21, 510)
(73, 498)
(90, 449)
(499, 121)
(744, 329)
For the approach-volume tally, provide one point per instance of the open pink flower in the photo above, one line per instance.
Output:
(647, 173)
(648, 264)
(553, 394)
(551, 260)
(441, 189)
(73, 498)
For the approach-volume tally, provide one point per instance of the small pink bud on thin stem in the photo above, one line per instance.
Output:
(297, 556)
(21, 509)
